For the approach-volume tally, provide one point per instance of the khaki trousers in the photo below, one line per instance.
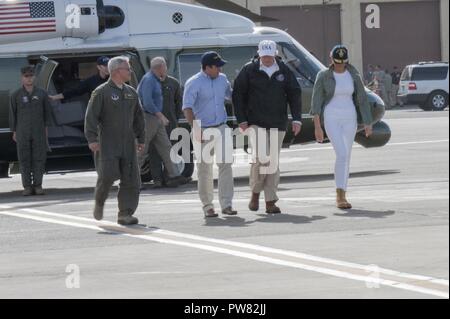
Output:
(220, 148)
(260, 180)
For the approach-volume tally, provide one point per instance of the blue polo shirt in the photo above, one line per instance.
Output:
(150, 93)
(206, 97)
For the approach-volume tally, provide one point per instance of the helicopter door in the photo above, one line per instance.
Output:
(138, 71)
(44, 72)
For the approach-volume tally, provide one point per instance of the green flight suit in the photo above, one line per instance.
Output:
(30, 114)
(115, 120)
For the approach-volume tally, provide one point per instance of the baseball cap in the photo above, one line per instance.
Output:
(339, 54)
(27, 70)
(213, 58)
(103, 60)
(267, 48)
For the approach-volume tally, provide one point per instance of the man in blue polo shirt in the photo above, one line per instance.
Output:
(204, 105)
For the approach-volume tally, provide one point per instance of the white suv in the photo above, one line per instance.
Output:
(425, 84)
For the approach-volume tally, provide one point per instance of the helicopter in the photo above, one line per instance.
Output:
(64, 38)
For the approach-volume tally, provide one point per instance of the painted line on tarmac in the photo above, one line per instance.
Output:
(373, 276)
(325, 148)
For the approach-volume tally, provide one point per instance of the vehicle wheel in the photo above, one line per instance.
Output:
(183, 168)
(4, 170)
(188, 170)
(146, 174)
(438, 101)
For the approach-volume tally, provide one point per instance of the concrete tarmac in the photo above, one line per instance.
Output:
(393, 244)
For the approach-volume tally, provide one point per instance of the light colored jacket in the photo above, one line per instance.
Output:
(324, 90)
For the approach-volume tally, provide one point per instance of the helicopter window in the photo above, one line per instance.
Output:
(236, 57)
(304, 68)
(188, 65)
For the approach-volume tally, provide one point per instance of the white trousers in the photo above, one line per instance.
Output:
(341, 124)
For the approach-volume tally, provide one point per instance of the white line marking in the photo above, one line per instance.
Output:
(324, 148)
(236, 253)
(247, 246)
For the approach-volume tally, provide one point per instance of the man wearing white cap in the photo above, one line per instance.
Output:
(262, 92)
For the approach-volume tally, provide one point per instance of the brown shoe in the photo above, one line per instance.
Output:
(254, 203)
(271, 208)
(210, 213)
(229, 211)
(341, 200)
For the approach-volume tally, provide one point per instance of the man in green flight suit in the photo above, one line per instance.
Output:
(29, 117)
(115, 129)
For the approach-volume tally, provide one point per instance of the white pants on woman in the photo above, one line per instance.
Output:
(341, 124)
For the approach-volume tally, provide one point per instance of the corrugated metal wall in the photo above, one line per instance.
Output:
(409, 32)
(316, 27)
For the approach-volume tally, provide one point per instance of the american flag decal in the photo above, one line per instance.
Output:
(27, 17)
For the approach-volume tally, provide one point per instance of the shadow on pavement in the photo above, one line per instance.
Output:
(227, 222)
(288, 219)
(299, 178)
(366, 213)
(52, 194)
(263, 218)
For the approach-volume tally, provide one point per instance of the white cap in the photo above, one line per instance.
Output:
(267, 48)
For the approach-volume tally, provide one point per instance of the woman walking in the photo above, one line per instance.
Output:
(340, 102)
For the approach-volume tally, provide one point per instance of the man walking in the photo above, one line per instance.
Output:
(369, 74)
(204, 102)
(262, 92)
(172, 104)
(90, 84)
(396, 77)
(30, 115)
(388, 87)
(114, 121)
(150, 93)
(380, 80)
